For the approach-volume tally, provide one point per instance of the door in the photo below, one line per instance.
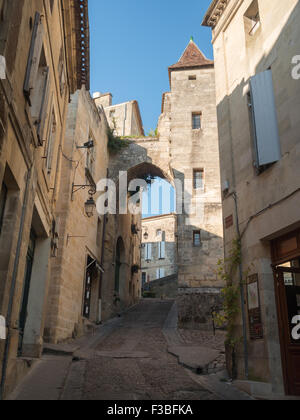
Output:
(26, 289)
(288, 302)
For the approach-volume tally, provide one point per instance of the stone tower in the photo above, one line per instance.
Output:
(186, 150)
(189, 120)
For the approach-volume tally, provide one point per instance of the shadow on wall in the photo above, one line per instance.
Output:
(256, 196)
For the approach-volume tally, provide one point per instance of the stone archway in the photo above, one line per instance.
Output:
(142, 156)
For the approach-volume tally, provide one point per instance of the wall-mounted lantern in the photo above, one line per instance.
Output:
(89, 207)
(134, 229)
(87, 145)
(135, 269)
(146, 236)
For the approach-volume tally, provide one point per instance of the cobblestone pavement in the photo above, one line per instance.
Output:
(140, 367)
(127, 359)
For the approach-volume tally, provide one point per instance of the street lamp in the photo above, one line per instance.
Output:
(89, 207)
(146, 236)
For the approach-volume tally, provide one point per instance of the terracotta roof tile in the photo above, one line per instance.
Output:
(192, 57)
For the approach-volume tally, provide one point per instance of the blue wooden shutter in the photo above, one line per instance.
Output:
(265, 119)
(34, 55)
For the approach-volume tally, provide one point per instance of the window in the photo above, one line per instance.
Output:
(51, 5)
(198, 179)
(160, 273)
(159, 233)
(3, 7)
(263, 120)
(61, 72)
(192, 77)
(3, 198)
(144, 279)
(148, 252)
(51, 142)
(161, 250)
(252, 19)
(196, 120)
(197, 238)
(112, 113)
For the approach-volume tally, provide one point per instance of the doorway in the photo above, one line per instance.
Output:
(26, 290)
(91, 292)
(287, 286)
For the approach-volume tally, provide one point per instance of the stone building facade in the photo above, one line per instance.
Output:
(190, 116)
(125, 118)
(256, 45)
(121, 286)
(38, 44)
(159, 247)
(75, 290)
(186, 153)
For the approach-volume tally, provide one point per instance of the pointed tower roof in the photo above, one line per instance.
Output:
(191, 58)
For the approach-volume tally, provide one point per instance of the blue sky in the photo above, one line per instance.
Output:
(134, 41)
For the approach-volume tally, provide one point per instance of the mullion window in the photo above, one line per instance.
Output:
(197, 121)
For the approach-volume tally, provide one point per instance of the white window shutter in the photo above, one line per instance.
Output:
(34, 55)
(162, 273)
(158, 274)
(159, 250)
(265, 119)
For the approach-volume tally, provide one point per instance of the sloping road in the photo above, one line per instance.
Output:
(127, 359)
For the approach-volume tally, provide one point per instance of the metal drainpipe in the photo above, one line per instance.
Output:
(242, 292)
(13, 286)
(102, 251)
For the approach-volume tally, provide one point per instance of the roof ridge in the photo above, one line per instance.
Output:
(192, 57)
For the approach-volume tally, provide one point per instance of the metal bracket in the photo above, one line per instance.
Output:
(76, 188)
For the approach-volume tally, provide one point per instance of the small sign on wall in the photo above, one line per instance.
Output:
(229, 222)
(254, 309)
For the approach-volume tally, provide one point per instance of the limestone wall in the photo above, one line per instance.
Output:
(238, 57)
(167, 225)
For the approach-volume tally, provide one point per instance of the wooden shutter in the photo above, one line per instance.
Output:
(51, 140)
(43, 110)
(265, 119)
(34, 55)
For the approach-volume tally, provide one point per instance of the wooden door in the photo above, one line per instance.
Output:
(287, 282)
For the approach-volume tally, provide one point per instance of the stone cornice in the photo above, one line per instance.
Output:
(215, 12)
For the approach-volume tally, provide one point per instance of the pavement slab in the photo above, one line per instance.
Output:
(194, 357)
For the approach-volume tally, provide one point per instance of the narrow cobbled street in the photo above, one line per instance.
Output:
(129, 358)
